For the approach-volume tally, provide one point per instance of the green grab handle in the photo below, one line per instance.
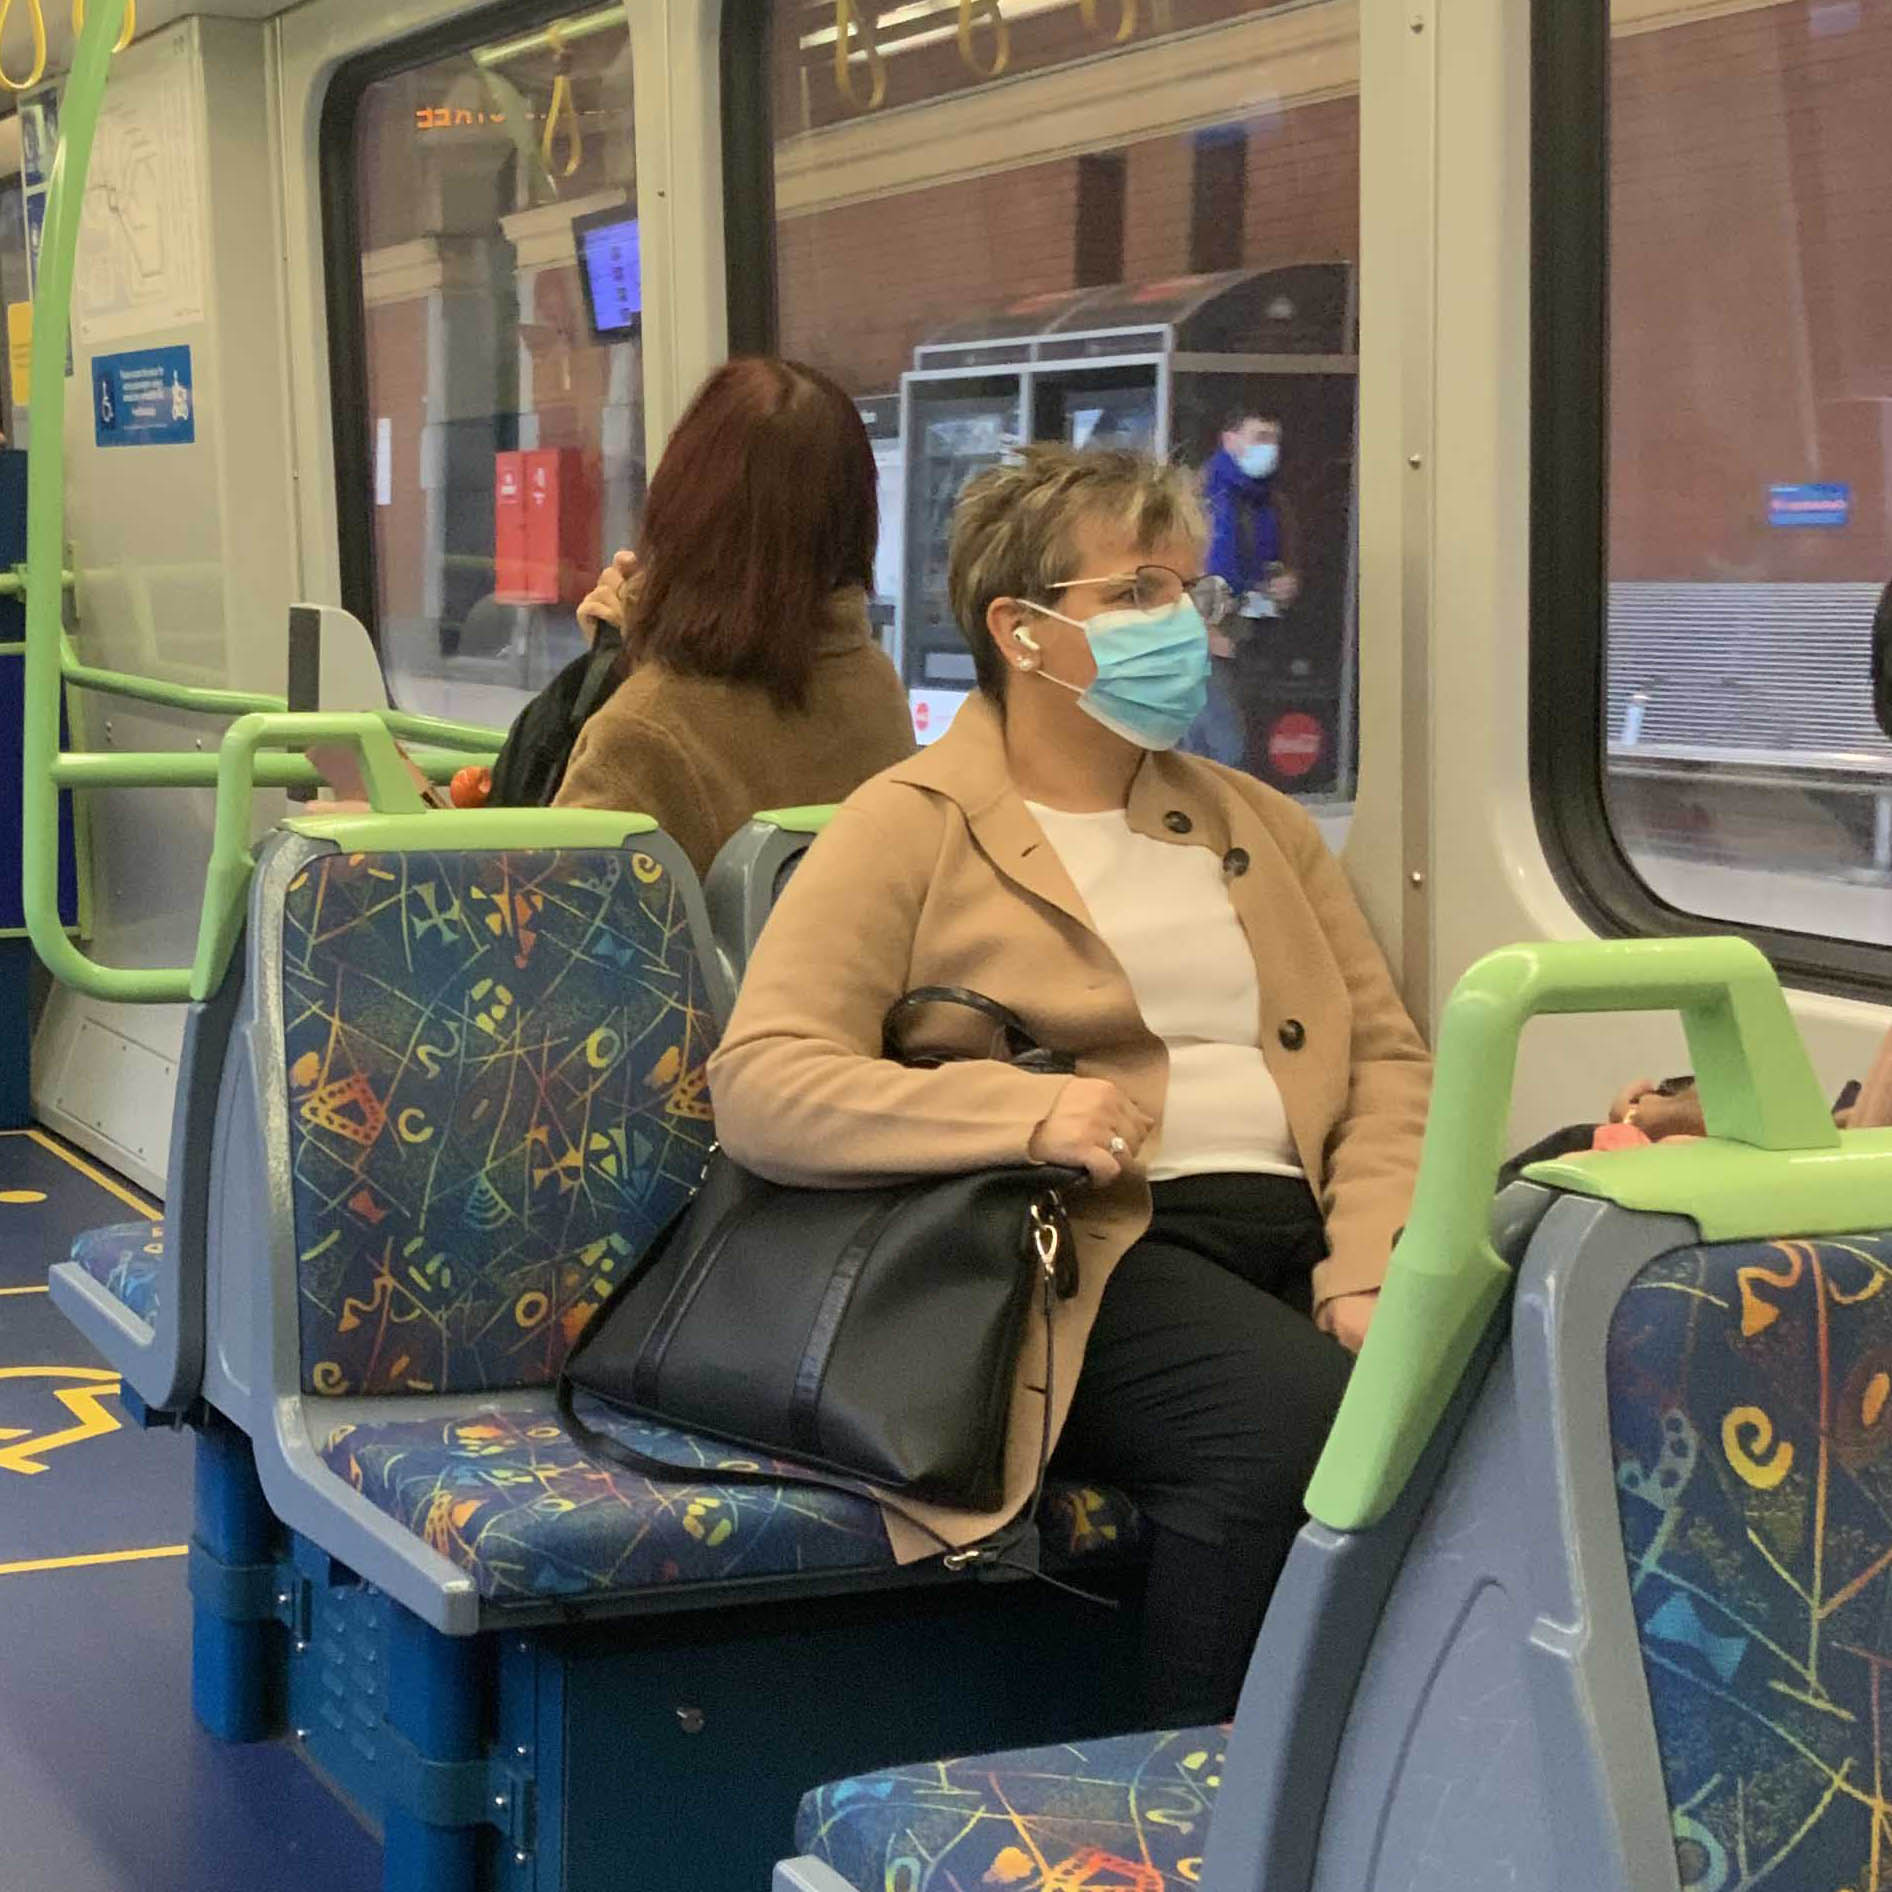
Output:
(391, 790)
(1757, 1087)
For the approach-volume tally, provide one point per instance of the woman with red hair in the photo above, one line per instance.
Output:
(750, 678)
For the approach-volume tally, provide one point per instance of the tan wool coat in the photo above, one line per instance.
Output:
(935, 873)
(702, 754)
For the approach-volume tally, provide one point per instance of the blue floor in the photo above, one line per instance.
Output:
(106, 1783)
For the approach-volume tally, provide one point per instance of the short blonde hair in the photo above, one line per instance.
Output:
(1012, 529)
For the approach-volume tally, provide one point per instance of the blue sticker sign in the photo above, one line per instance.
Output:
(1796, 508)
(144, 399)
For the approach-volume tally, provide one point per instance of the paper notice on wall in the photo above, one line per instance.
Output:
(140, 266)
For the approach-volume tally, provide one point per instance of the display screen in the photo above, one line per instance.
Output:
(611, 261)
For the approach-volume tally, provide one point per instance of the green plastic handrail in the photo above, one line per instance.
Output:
(391, 790)
(1757, 1088)
(45, 537)
(183, 768)
(238, 768)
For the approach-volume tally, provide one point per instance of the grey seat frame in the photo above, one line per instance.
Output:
(740, 886)
(162, 1360)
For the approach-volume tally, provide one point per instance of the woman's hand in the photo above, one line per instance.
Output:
(1093, 1126)
(1655, 1115)
(605, 603)
(1347, 1317)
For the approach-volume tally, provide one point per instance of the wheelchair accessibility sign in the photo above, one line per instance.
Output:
(144, 399)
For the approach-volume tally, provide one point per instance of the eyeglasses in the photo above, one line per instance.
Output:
(1158, 588)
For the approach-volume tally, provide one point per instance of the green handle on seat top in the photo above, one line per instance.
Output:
(1758, 1089)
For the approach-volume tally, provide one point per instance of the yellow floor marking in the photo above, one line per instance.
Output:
(41, 1289)
(85, 1403)
(149, 1210)
(12, 1196)
(94, 1557)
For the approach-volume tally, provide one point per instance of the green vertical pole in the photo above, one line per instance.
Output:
(46, 533)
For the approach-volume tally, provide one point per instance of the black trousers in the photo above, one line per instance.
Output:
(1206, 1395)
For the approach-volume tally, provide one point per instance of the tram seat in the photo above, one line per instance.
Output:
(465, 1088)
(136, 1289)
(748, 874)
(1621, 1626)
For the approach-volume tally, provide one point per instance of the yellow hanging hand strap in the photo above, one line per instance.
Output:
(851, 21)
(38, 18)
(126, 33)
(562, 109)
(987, 10)
(1126, 20)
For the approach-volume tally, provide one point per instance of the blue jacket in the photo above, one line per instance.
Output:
(1244, 523)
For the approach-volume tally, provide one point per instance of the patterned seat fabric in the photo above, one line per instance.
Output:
(512, 1501)
(496, 1098)
(1126, 1815)
(1751, 1409)
(124, 1259)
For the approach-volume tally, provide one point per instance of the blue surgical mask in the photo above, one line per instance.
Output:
(1152, 677)
(1260, 460)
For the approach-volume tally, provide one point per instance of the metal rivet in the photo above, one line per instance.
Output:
(1417, 24)
(302, 1734)
(499, 1800)
(522, 1859)
(521, 1752)
(1415, 461)
(690, 1720)
(1418, 878)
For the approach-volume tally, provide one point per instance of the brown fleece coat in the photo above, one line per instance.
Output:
(702, 754)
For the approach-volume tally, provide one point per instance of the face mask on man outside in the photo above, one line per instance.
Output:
(1259, 460)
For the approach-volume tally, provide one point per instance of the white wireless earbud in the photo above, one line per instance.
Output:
(1022, 636)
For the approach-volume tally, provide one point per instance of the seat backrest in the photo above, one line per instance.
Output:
(493, 1073)
(1750, 1402)
(748, 875)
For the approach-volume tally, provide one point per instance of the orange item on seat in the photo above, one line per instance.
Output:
(1618, 1136)
(471, 787)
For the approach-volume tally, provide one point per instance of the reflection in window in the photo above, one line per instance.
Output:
(501, 277)
(1751, 441)
(1102, 221)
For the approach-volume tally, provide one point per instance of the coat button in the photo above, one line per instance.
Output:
(1293, 1034)
(1235, 863)
(1177, 822)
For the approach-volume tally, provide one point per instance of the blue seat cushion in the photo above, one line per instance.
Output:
(1124, 1815)
(124, 1259)
(496, 1098)
(504, 1493)
(1750, 1391)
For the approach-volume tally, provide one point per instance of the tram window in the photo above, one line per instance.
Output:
(1750, 463)
(1109, 223)
(501, 449)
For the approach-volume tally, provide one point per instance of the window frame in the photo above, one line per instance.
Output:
(753, 310)
(351, 426)
(1569, 551)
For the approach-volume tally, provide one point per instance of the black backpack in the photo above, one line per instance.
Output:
(529, 768)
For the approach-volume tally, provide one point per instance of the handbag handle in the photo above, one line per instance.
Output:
(1021, 1048)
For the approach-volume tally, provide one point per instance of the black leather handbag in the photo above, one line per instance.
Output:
(871, 1336)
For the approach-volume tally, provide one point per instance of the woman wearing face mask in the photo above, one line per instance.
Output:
(1250, 1092)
